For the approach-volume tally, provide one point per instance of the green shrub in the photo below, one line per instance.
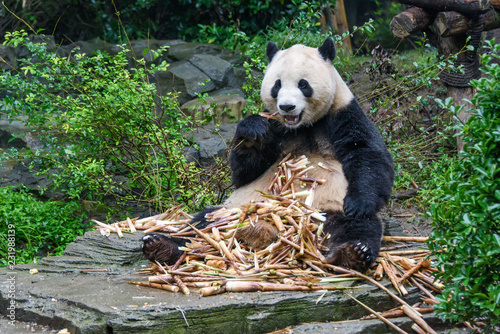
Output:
(104, 129)
(37, 227)
(466, 235)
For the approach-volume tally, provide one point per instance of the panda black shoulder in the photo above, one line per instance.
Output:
(350, 123)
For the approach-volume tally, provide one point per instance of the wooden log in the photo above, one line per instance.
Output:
(463, 6)
(410, 21)
(495, 4)
(453, 23)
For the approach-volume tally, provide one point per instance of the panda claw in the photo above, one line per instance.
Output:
(356, 255)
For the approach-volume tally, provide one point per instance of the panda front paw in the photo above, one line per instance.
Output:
(355, 255)
(356, 207)
(253, 131)
(160, 248)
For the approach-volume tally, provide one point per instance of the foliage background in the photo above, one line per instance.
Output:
(72, 20)
(466, 217)
(463, 193)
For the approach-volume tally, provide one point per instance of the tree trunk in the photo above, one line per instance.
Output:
(410, 21)
(452, 45)
(459, 94)
(453, 23)
(463, 6)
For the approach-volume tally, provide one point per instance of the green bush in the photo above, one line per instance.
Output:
(36, 227)
(104, 128)
(466, 235)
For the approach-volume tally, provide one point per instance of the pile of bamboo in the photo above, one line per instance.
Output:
(215, 261)
(171, 221)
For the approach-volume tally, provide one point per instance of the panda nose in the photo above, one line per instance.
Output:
(287, 107)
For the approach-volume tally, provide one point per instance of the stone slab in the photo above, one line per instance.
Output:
(87, 290)
(65, 293)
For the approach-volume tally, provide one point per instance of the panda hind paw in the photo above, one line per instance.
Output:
(160, 248)
(355, 255)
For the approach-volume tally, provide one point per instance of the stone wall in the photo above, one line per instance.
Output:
(193, 69)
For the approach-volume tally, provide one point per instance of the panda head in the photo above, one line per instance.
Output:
(300, 82)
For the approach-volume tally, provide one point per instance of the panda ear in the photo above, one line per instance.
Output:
(272, 49)
(327, 50)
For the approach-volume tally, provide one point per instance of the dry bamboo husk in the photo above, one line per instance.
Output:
(215, 261)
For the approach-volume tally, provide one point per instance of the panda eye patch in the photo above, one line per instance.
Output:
(276, 88)
(306, 88)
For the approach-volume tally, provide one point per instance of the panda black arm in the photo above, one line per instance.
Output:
(256, 146)
(366, 162)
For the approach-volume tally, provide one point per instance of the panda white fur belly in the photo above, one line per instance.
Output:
(328, 196)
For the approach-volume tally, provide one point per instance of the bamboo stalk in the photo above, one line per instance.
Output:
(379, 272)
(186, 279)
(390, 274)
(167, 287)
(422, 288)
(277, 222)
(358, 274)
(181, 285)
(229, 256)
(207, 238)
(418, 319)
(118, 230)
(430, 301)
(298, 247)
(212, 290)
(109, 227)
(160, 227)
(414, 270)
(387, 322)
(249, 286)
(386, 238)
(131, 225)
(406, 252)
(418, 329)
(398, 312)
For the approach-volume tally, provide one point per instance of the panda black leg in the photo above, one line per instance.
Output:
(162, 248)
(165, 249)
(354, 242)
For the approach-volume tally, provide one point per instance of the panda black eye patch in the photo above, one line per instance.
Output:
(306, 88)
(276, 88)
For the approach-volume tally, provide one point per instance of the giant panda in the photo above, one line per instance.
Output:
(320, 118)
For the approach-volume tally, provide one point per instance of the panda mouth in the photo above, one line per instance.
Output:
(292, 119)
